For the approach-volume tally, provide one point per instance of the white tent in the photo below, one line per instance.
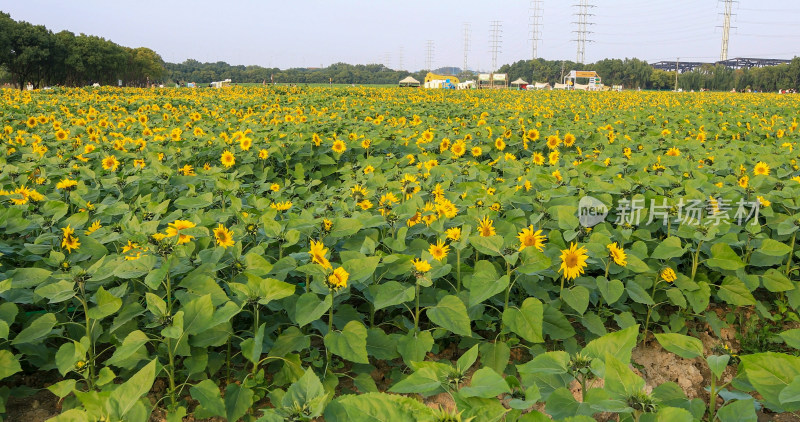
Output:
(519, 81)
(408, 81)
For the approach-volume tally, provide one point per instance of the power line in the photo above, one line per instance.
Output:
(583, 21)
(536, 24)
(495, 41)
(726, 29)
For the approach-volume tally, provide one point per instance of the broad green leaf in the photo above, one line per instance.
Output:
(209, 398)
(611, 290)
(533, 261)
(792, 337)
(683, 346)
(68, 355)
(638, 293)
(675, 414)
(62, 388)
(29, 277)
(377, 407)
(619, 344)
(724, 257)
(304, 392)
(774, 281)
(790, 395)
(485, 383)
(107, 304)
(9, 364)
(413, 348)
(489, 245)
(467, 359)
(526, 321)
(451, 314)
(555, 324)
(485, 283)
(350, 343)
(310, 308)
(269, 289)
(252, 347)
(738, 411)
(391, 293)
(495, 355)
(290, 340)
(380, 345)
(668, 248)
(769, 373)
(57, 292)
(36, 330)
(71, 415)
(717, 364)
(577, 298)
(423, 381)
(734, 292)
(198, 314)
(238, 400)
(620, 381)
(124, 397)
(772, 247)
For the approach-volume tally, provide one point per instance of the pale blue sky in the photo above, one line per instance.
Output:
(312, 33)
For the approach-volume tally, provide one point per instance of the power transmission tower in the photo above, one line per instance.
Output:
(536, 24)
(583, 21)
(400, 59)
(726, 29)
(429, 55)
(387, 60)
(466, 45)
(495, 41)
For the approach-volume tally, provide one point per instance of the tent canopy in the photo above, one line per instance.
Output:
(409, 80)
(519, 81)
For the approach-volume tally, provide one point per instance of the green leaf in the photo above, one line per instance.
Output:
(380, 345)
(533, 261)
(489, 245)
(29, 277)
(738, 411)
(485, 383)
(774, 281)
(71, 415)
(577, 298)
(467, 359)
(413, 348)
(68, 355)
(792, 337)
(9, 364)
(790, 395)
(423, 381)
(290, 340)
(619, 344)
(125, 396)
(377, 407)
(675, 414)
(269, 289)
(361, 269)
(197, 315)
(57, 292)
(717, 364)
(364, 382)
(668, 248)
(638, 293)
(107, 304)
(527, 320)
(451, 314)
(683, 346)
(304, 392)
(194, 202)
(769, 373)
(252, 347)
(724, 257)
(391, 293)
(620, 381)
(343, 227)
(485, 283)
(237, 401)
(735, 292)
(555, 324)
(209, 397)
(309, 308)
(546, 363)
(495, 355)
(36, 330)
(62, 388)
(772, 247)
(350, 343)
(611, 290)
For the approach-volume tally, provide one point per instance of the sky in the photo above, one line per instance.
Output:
(317, 33)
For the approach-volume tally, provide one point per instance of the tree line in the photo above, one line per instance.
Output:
(34, 54)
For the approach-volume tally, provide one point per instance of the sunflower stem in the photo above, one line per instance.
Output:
(458, 270)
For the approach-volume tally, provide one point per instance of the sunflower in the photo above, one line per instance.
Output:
(174, 229)
(761, 169)
(338, 146)
(227, 159)
(274, 187)
(187, 170)
(66, 184)
(763, 201)
(281, 206)
(499, 144)
(485, 227)
(316, 140)
(427, 136)
(110, 163)
(223, 236)
(245, 143)
(439, 250)
(458, 149)
(338, 279)
(743, 181)
(93, 227)
(453, 233)
(421, 266)
(69, 241)
(532, 134)
(62, 134)
(674, 152)
(557, 175)
(317, 252)
(553, 141)
(263, 154)
(529, 237)
(573, 261)
(617, 254)
(365, 204)
(569, 140)
(132, 251)
(369, 169)
(553, 158)
(668, 275)
(476, 151)
(538, 158)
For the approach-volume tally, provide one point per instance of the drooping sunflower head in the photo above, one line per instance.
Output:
(338, 279)
(617, 254)
(317, 252)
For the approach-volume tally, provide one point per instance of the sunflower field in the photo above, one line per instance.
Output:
(345, 254)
